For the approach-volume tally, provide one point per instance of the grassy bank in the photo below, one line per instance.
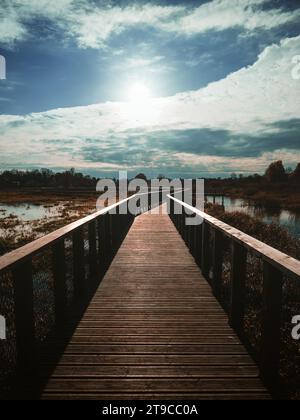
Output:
(15, 232)
(271, 234)
(277, 196)
(281, 239)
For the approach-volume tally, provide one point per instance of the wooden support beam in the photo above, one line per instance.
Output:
(217, 262)
(59, 276)
(205, 259)
(80, 286)
(271, 324)
(238, 283)
(24, 318)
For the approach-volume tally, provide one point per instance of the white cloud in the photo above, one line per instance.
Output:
(250, 98)
(135, 62)
(247, 103)
(92, 26)
(219, 15)
(11, 29)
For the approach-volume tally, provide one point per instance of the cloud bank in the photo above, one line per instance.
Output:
(242, 122)
(92, 25)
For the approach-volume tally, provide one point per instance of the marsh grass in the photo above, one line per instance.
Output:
(281, 239)
(16, 232)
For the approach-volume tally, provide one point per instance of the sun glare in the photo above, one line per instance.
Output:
(139, 93)
(140, 104)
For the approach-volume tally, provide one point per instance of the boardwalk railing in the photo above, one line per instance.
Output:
(41, 282)
(258, 286)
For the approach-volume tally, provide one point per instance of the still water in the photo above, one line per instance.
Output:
(288, 219)
(285, 218)
(29, 212)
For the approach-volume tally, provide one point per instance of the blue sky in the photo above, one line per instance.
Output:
(189, 88)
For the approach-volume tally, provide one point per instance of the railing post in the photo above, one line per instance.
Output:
(185, 228)
(205, 263)
(79, 266)
(198, 244)
(113, 230)
(193, 240)
(92, 249)
(190, 237)
(217, 262)
(107, 235)
(59, 275)
(177, 220)
(181, 224)
(171, 208)
(24, 318)
(238, 284)
(271, 323)
(102, 242)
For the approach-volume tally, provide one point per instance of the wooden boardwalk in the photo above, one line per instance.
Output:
(154, 330)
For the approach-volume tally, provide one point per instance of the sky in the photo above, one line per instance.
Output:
(182, 88)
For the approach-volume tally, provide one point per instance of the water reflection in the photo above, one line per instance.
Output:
(268, 214)
(29, 212)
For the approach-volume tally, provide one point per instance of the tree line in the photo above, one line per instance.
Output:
(276, 173)
(46, 178)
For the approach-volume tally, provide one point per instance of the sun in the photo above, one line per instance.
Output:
(139, 107)
(139, 93)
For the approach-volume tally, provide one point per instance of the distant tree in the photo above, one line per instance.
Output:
(45, 178)
(276, 172)
(233, 176)
(141, 176)
(295, 176)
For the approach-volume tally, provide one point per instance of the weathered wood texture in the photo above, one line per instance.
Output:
(154, 330)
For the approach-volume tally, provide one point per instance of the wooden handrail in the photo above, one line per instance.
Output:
(208, 238)
(27, 251)
(74, 261)
(288, 265)
(94, 241)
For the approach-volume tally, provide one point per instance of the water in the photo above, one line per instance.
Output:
(285, 218)
(28, 212)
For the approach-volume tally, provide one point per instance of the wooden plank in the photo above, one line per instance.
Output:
(161, 396)
(233, 360)
(155, 385)
(193, 371)
(155, 348)
(153, 339)
(153, 328)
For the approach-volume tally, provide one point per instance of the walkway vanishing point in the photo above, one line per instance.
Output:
(153, 328)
